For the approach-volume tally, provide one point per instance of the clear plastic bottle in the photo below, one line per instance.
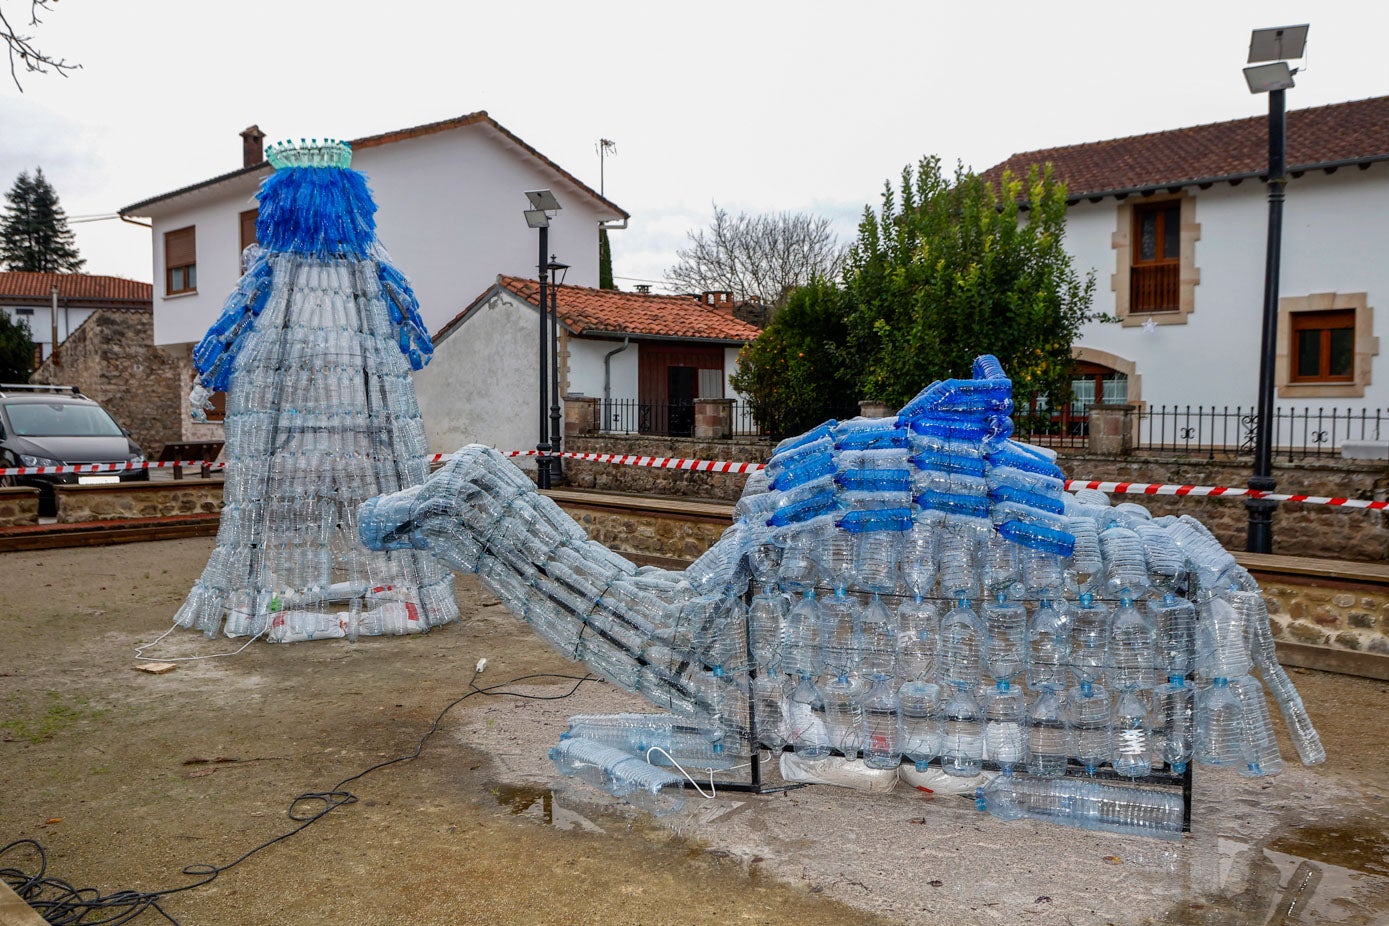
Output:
(810, 736)
(766, 616)
(803, 648)
(882, 725)
(918, 559)
(961, 646)
(1222, 650)
(1089, 639)
(1261, 746)
(921, 707)
(838, 614)
(837, 559)
(875, 561)
(1126, 568)
(1174, 719)
(1085, 804)
(962, 740)
(918, 638)
(1090, 725)
(1175, 620)
(842, 697)
(1047, 754)
(1048, 648)
(876, 633)
(771, 696)
(1220, 736)
(1132, 731)
(1086, 561)
(1132, 648)
(1005, 634)
(1004, 715)
(959, 561)
(799, 570)
(1043, 572)
(1001, 568)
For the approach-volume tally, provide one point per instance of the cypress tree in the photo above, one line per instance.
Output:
(605, 261)
(34, 233)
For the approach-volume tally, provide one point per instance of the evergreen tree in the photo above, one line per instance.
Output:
(16, 350)
(34, 233)
(605, 261)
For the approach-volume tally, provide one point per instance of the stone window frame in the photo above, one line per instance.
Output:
(1366, 346)
(1189, 276)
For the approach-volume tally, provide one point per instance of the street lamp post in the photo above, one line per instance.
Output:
(542, 206)
(1274, 46)
(560, 271)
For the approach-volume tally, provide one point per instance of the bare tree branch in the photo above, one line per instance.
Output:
(757, 257)
(22, 51)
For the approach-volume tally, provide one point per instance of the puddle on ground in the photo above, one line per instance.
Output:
(1357, 848)
(533, 802)
(1333, 874)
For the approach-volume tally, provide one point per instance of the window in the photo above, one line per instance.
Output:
(1155, 275)
(180, 261)
(24, 311)
(1323, 348)
(248, 228)
(1326, 342)
(1156, 269)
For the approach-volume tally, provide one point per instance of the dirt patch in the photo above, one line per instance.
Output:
(126, 777)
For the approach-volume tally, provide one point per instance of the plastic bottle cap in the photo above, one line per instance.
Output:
(1087, 599)
(1004, 684)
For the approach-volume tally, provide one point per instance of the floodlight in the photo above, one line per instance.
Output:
(537, 218)
(543, 199)
(1265, 77)
(1280, 43)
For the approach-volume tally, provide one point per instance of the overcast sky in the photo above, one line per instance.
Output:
(755, 105)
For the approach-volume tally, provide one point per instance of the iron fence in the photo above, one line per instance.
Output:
(1298, 433)
(1225, 432)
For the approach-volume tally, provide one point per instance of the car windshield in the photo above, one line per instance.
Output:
(60, 419)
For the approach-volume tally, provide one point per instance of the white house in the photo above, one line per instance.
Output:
(1174, 225)
(450, 199)
(645, 358)
(58, 303)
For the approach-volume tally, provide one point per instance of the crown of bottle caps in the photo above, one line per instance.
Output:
(309, 152)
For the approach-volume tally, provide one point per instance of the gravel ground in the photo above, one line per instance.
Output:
(126, 778)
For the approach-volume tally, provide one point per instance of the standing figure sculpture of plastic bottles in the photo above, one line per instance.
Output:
(314, 350)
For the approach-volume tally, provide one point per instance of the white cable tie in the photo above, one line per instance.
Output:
(481, 664)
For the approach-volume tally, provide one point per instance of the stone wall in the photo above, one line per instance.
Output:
(1327, 612)
(78, 504)
(648, 533)
(647, 480)
(19, 505)
(111, 357)
(1298, 529)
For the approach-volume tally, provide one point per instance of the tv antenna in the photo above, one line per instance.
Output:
(604, 146)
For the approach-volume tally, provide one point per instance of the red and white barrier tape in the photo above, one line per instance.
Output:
(724, 466)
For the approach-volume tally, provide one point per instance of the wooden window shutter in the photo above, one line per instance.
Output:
(248, 227)
(180, 247)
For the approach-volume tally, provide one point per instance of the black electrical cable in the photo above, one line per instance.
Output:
(62, 904)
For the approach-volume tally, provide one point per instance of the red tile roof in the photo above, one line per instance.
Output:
(1338, 135)
(31, 288)
(385, 138)
(597, 312)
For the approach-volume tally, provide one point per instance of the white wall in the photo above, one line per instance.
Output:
(1332, 242)
(449, 212)
(481, 387)
(216, 216)
(586, 368)
(41, 322)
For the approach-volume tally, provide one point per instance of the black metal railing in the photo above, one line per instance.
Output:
(1298, 433)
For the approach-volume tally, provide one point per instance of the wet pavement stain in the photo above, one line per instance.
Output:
(519, 799)
(1358, 848)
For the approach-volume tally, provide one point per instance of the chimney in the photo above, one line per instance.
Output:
(644, 289)
(718, 299)
(252, 146)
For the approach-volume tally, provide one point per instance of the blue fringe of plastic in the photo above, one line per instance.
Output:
(316, 211)
(216, 352)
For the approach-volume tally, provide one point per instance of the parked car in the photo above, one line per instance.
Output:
(59, 426)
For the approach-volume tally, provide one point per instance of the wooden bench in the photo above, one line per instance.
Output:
(206, 451)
